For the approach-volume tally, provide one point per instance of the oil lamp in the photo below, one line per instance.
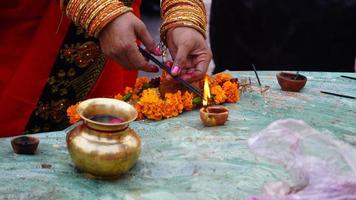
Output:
(212, 115)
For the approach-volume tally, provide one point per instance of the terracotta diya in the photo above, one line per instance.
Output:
(291, 82)
(25, 144)
(212, 115)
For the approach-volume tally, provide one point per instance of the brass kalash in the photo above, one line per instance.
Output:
(104, 146)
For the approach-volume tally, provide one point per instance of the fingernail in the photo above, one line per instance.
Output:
(154, 68)
(175, 70)
(158, 51)
(169, 63)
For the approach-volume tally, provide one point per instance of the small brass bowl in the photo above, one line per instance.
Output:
(214, 115)
(25, 144)
(104, 149)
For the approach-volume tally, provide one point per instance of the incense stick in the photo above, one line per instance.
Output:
(258, 79)
(349, 77)
(167, 69)
(338, 95)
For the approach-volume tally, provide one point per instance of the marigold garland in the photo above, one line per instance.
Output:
(230, 91)
(146, 99)
(140, 82)
(222, 78)
(187, 99)
(152, 104)
(173, 104)
(218, 94)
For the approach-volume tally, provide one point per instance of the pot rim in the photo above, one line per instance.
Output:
(226, 112)
(109, 101)
(280, 76)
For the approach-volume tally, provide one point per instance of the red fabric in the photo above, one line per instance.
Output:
(29, 45)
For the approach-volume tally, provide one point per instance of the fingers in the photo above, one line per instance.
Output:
(145, 37)
(200, 68)
(195, 74)
(136, 60)
(180, 60)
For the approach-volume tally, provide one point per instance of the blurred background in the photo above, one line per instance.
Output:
(306, 35)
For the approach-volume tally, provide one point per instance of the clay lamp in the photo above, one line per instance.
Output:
(212, 115)
(291, 82)
(25, 144)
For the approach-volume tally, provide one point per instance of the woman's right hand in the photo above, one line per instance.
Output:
(118, 41)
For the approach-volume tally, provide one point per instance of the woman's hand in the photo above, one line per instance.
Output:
(190, 53)
(118, 40)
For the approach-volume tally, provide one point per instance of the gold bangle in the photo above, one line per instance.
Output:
(86, 11)
(167, 25)
(178, 14)
(185, 18)
(181, 24)
(166, 5)
(189, 9)
(93, 24)
(72, 4)
(78, 11)
(95, 11)
(108, 18)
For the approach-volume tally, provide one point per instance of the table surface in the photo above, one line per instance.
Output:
(182, 159)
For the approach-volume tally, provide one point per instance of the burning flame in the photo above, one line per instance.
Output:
(206, 91)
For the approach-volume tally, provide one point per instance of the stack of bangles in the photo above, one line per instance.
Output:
(93, 15)
(183, 13)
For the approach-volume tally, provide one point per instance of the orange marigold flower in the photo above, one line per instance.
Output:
(151, 103)
(118, 97)
(138, 108)
(187, 99)
(219, 94)
(140, 82)
(135, 97)
(73, 114)
(173, 104)
(128, 90)
(231, 92)
(212, 82)
(221, 78)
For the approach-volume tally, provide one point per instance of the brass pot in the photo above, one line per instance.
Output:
(104, 149)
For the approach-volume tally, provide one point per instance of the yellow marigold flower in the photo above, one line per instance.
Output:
(118, 97)
(187, 99)
(219, 94)
(173, 104)
(231, 92)
(151, 103)
(73, 114)
(221, 78)
(140, 82)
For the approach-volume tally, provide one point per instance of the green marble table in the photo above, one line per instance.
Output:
(182, 159)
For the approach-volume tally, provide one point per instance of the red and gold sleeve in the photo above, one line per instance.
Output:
(94, 15)
(183, 13)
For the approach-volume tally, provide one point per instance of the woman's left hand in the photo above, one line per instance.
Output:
(190, 53)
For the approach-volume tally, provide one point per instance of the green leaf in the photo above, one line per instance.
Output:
(197, 101)
(146, 86)
(127, 96)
